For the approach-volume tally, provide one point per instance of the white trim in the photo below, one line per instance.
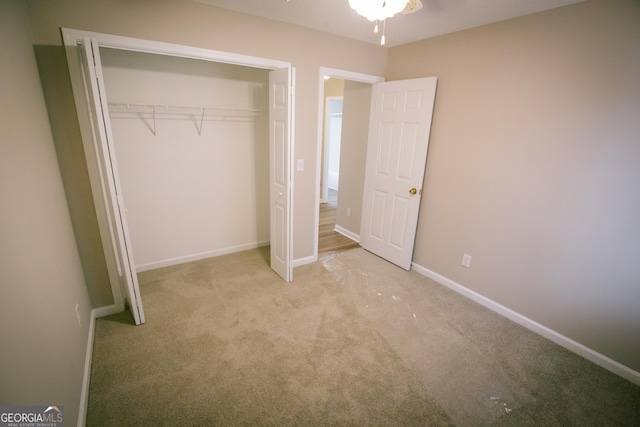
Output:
(72, 37)
(84, 393)
(566, 342)
(107, 310)
(349, 75)
(196, 257)
(350, 234)
(304, 261)
(338, 74)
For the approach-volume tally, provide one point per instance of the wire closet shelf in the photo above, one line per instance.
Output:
(197, 114)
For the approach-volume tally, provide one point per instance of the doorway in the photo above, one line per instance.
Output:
(398, 124)
(328, 238)
(341, 178)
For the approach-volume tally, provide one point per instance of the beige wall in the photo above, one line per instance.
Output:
(534, 167)
(333, 87)
(43, 347)
(353, 153)
(195, 24)
(54, 76)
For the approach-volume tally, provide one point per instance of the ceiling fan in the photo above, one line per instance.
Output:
(379, 10)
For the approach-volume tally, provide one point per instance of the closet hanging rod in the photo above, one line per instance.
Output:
(121, 107)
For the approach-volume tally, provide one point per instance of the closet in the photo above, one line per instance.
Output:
(192, 147)
(188, 154)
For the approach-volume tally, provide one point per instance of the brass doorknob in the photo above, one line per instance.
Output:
(413, 191)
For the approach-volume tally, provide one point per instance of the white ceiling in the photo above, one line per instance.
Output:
(437, 17)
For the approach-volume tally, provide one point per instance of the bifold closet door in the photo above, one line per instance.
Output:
(280, 170)
(108, 176)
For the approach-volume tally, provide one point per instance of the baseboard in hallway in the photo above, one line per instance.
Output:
(328, 238)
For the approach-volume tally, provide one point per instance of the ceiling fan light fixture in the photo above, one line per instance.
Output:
(378, 10)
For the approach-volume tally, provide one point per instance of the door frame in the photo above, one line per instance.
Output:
(338, 74)
(72, 38)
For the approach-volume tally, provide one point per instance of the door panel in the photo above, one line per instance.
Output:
(399, 221)
(383, 159)
(280, 171)
(399, 131)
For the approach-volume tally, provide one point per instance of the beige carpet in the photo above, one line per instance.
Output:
(353, 340)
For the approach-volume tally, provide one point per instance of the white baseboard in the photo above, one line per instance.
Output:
(303, 261)
(84, 393)
(313, 258)
(107, 310)
(196, 257)
(353, 236)
(566, 342)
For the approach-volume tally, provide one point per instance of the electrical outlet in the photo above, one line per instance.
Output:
(300, 165)
(78, 315)
(349, 212)
(466, 260)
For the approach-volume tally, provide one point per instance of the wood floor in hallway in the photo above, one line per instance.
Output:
(328, 238)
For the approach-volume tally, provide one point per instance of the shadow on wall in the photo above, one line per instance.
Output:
(56, 85)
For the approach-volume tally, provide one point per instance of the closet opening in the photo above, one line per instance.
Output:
(188, 152)
(192, 147)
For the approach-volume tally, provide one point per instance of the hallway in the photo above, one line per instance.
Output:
(328, 239)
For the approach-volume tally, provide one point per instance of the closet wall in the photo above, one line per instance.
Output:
(353, 154)
(193, 187)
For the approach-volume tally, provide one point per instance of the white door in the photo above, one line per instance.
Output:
(104, 150)
(280, 108)
(399, 129)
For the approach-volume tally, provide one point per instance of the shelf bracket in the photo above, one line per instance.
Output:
(154, 121)
(201, 122)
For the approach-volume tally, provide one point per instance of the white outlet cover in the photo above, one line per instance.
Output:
(466, 260)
